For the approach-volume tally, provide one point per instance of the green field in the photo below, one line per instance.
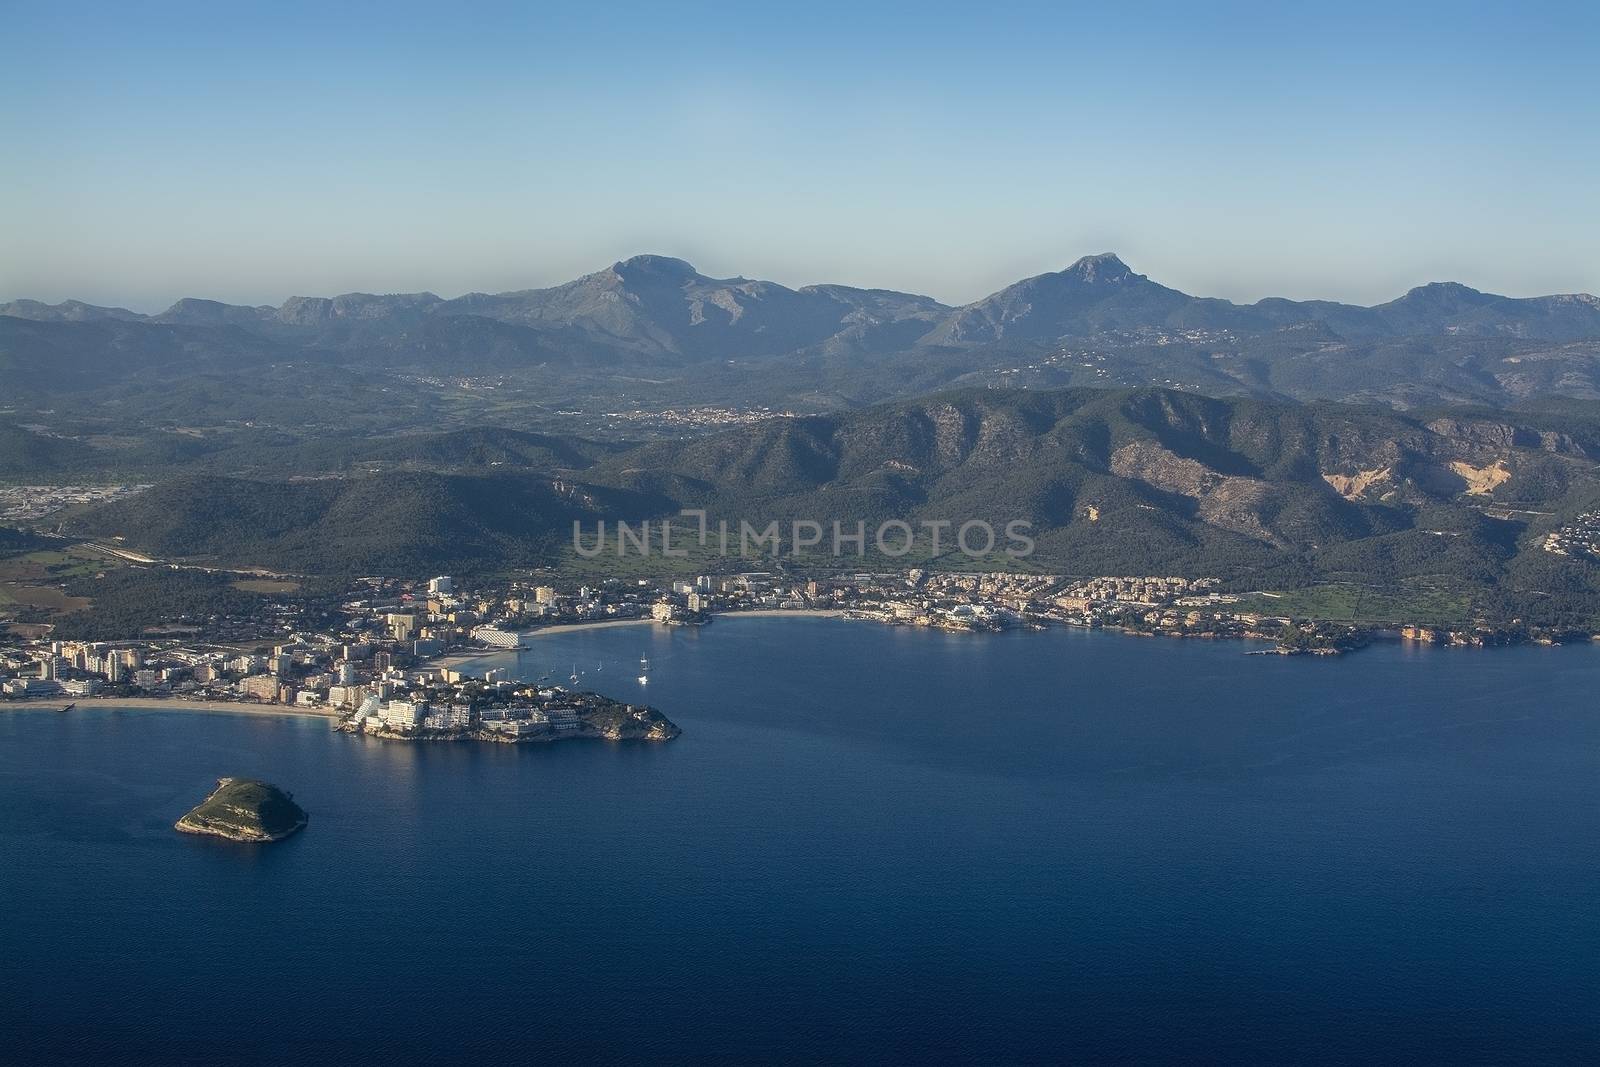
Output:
(27, 582)
(1424, 601)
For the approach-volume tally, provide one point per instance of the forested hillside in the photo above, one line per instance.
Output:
(1109, 482)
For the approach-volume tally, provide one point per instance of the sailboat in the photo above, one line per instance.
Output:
(574, 674)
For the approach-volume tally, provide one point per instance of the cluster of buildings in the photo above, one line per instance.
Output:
(381, 645)
(505, 711)
(24, 503)
(962, 602)
(67, 668)
(965, 602)
(1580, 537)
(695, 418)
(390, 640)
(1145, 592)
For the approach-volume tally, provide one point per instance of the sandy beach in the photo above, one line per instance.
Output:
(458, 659)
(217, 707)
(449, 662)
(574, 627)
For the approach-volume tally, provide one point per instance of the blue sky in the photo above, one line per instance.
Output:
(248, 152)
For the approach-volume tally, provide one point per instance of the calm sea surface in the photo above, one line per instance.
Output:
(868, 844)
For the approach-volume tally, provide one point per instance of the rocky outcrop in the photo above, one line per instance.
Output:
(1229, 502)
(244, 809)
(1355, 486)
(1482, 481)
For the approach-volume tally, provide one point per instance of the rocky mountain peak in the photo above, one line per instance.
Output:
(655, 266)
(1105, 268)
(1445, 293)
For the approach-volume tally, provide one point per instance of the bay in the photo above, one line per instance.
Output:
(869, 843)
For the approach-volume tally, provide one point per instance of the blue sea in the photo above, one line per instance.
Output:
(869, 844)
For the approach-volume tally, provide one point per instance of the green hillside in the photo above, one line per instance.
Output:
(1111, 482)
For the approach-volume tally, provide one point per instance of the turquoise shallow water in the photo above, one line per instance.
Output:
(869, 843)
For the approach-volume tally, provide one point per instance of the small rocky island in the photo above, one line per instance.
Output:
(532, 717)
(244, 809)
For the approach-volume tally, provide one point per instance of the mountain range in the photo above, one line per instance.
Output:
(662, 307)
(1429, 444)
(670, 335)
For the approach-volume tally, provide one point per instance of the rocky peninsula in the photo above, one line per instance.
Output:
(244, 809)
(536, 716)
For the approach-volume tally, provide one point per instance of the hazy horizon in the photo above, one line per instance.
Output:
(1244, 152)
(158, 306)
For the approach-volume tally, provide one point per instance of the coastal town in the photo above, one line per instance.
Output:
(401, 656)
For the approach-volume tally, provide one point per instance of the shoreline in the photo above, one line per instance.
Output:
(215, 707)
(221, 707)
(456, 659)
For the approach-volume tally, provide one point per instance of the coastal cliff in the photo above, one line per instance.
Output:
(621, 722)
(244, 809)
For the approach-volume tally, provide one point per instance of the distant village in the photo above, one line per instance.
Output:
(30, 503)
(1579, 538)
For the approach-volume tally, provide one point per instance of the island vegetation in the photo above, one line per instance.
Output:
(245, 809)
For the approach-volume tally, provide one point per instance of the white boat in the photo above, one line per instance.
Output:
(644, 679)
